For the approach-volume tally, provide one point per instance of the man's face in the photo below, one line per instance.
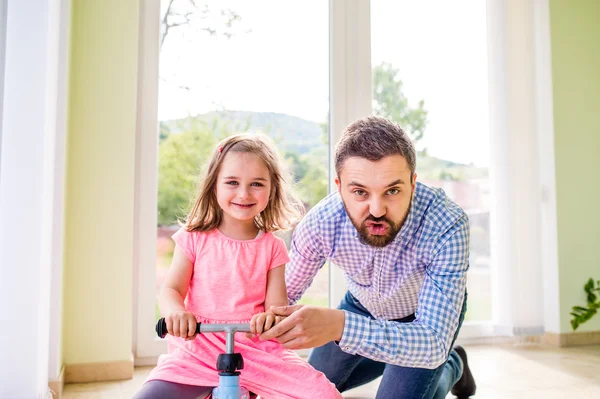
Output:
(377, 196)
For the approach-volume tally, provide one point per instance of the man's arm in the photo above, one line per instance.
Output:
(306, 256)
(426, 341)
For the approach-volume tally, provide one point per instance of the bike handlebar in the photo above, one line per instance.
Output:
(161, 327)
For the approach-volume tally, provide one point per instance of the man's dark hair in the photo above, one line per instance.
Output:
(374, 138)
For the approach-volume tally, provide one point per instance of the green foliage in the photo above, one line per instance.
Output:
(310, 175)
(313, 186)
(181, 157)
(390, 102)
(297, 165)
(184, 148)
(582, 314)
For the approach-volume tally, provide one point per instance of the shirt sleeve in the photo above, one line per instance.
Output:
(425, 342)
(279, 256)
(307, 256)
(187, 241)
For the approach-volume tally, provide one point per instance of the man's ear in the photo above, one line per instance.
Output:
(414, 182)
(338, 184)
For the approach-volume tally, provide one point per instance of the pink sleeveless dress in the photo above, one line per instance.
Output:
(228, 285)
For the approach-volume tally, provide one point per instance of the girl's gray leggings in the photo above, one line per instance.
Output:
(157, 389)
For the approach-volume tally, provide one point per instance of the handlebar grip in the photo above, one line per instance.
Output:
(161, 328)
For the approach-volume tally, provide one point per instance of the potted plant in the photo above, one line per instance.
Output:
(582, 314)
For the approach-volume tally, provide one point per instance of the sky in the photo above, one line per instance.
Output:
(277, 61)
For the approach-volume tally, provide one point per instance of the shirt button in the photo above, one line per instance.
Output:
(347, 348)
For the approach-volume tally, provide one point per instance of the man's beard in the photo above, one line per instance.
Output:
(373, 240)
(378, 241)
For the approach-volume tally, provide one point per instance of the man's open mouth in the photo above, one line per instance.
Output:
(377, 228)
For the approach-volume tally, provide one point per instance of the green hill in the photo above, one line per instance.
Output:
(301, 136)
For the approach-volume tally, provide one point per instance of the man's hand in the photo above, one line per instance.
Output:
(306, 326)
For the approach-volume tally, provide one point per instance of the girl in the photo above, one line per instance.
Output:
(229, 267)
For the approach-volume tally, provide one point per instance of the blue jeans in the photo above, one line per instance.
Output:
(348, 371)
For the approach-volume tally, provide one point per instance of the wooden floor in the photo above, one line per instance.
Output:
(501, 371)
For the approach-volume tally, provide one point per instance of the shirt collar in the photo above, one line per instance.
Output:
(411, 223)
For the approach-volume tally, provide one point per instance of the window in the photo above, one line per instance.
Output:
(301, 71)
(430, 75)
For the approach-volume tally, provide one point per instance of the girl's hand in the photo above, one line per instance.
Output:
(182, 324)
(262, 322)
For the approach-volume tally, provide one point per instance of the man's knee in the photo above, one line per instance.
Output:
(324, 355)
(330, 360)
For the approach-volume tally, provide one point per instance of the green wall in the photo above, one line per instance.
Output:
(100, 182)
(575, 46)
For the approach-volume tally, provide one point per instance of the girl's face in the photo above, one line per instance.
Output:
(243, 186)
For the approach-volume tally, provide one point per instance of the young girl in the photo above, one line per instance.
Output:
(228, 267)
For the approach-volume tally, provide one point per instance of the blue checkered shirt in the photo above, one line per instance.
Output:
(422, 271)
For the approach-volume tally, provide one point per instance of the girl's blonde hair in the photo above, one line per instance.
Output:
(283, 210)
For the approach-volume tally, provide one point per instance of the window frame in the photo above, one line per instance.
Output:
(146, 345)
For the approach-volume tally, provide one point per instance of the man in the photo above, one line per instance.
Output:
(404, 249)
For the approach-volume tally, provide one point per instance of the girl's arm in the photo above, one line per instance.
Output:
(180, 322)
(276, 296)
(276, 291)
